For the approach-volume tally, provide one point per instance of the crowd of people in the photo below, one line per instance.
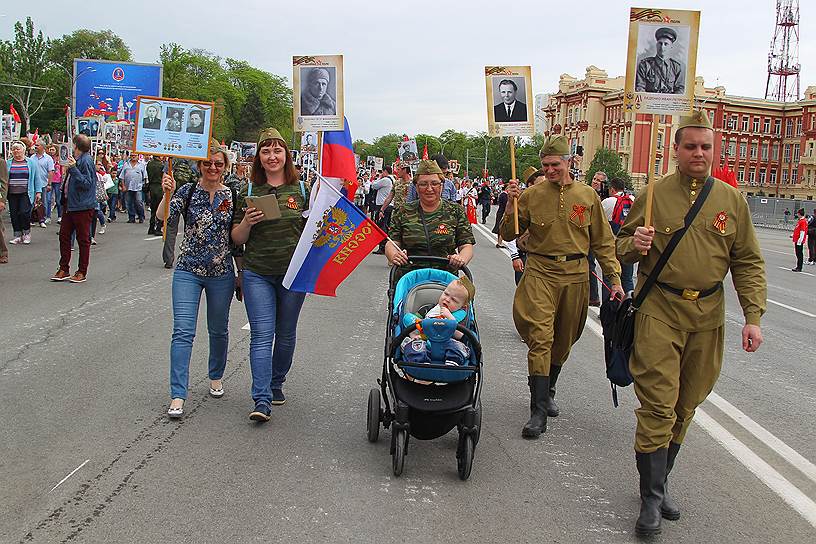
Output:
(231, 249)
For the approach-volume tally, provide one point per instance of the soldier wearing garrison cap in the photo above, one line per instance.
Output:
(661, 74)
(565, 220)
(679, 327)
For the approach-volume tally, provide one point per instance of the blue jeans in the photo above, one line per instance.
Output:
(56, 192)
(627, 280)
(135, 207)
(112, 200)
(187, 289)
(273, 314)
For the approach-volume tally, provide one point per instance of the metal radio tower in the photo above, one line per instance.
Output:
(783, 59)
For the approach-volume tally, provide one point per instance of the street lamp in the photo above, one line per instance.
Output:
(442, 143)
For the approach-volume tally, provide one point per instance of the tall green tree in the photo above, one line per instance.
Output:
(609, 162)
(23, 69)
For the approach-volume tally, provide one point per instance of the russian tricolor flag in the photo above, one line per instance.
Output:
(337, 160)
(337, 237)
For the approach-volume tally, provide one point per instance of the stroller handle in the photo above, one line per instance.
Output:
(474, 342)
(430, 259)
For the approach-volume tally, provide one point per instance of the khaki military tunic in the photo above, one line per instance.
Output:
(678, 348)
(550, 304)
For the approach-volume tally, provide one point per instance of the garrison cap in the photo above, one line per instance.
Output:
(528, 172)
(555, 145)
(428, 167)
(665, 32)
(270, 134)
(471, 289)
(697, 119)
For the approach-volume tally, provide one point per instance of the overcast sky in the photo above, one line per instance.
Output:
(418, 66)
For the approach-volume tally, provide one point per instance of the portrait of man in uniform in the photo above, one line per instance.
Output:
(507, 108)
(174, 117)
(308, 142)
(195, 125)
(661, 72)
(317, 91)
(407, 151)
(151, 118)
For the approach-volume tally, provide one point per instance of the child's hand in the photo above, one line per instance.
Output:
(446, 313)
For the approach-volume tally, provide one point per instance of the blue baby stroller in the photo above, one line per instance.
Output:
(427, 400)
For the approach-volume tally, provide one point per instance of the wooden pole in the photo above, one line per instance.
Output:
(651, 177)
(167, 196)
(513, 176)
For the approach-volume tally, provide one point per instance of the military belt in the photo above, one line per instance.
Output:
(564, 258)
(690, 294)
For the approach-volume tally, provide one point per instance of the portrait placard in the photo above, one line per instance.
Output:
(407, 151)
(317, 93)
(453, 166)
(509, 101)
(308, 142)
(661, 62)
(64, 151)
(247, 151)
(173, 127)
(92, 127)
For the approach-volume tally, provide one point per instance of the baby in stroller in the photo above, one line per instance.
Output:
(452, 304)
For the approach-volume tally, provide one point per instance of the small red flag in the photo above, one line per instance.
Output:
(14, 113)
(425, 152)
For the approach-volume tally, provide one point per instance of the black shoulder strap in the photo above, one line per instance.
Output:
(424, 226)
(664, 257)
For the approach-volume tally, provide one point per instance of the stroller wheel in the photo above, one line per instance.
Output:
(400, 438)
(373, 418)
(464, 456)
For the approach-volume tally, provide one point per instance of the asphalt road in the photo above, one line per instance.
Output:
(84, 372)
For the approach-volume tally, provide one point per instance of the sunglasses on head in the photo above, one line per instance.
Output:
(218, 164)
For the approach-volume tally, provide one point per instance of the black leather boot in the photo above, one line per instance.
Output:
(539, 393)
(669, 508)
(652, 469)
(552, 407)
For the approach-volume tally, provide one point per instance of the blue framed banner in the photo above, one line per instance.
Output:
(172, 127)
(109, 88)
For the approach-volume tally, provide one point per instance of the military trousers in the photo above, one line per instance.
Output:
(550, 318)
(674, 371)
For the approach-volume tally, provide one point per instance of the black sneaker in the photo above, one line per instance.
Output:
(277, 397)
(262, 413)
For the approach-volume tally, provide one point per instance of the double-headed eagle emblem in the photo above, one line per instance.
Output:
(333, 229)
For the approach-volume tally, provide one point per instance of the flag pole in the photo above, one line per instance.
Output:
(167, 196)
(650, 175)
(513, 176)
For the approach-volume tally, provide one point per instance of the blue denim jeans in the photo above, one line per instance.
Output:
(627, 280)
(112, 200)
(273, 314)
(56, 191)
(187, 289)
(134, 205)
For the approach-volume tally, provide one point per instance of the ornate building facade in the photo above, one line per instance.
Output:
(770, 146)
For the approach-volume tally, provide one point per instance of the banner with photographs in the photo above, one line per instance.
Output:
(509, 101)
(244, 151)
(92, 127)
(661, 62)
(317, 93)
(173, 127)
(407, 151)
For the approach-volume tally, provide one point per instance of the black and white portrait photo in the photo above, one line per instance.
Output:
(110, 132)
(64, 152)
(308, 142)
(662, 55)
(508, 95)
(151, 117)
(195, 122)
(248, 150)
(318, 91)
(173, 117)
(408, 151)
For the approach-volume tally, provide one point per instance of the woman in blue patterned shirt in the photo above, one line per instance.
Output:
(204, 264)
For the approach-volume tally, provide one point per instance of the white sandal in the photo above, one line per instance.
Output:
(217, 393)
(175, 413)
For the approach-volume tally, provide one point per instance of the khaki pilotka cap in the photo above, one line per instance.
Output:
(270, 134)
(555, 145)
(528, 173)
(428, 167)
(471, 289)
(697, 119)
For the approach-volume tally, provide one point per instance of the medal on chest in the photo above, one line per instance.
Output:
(442, 229)
(578, 212)
(720, 221)
(291, 204)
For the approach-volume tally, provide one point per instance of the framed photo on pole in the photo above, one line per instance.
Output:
(172, 127)
(509, 101)
(661, 61)
(317, 93)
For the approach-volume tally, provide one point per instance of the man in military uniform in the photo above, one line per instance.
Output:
(660, 74)
(183, 174)
(155, 171)
(565, 220)
(679, 328)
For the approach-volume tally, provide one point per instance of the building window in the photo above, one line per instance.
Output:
(741, 175)
(753, 150)
(788, 128)
(660, 139)
(732, 148)
(752, 176)
(657, 167)
(723, 147)
(762, 176)
(796, 153)
(799, 127)
(711, 117)
(756, 124)
(764, 151)
(784, 177)
(732, 123)
(773, 176)
(745, 123)
(743, 149)
(786, 152)
(775, 152)
(794, 174)
(777, 126)
(621, 138)
(766, 126)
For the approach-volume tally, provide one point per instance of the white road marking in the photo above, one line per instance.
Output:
(762, 470)
(789, 270)
(791, 308)
(777, 251)
(69, 475)
(789, 454)
(487, 233)
(153, 238)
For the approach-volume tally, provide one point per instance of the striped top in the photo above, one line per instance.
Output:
(18, 177)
